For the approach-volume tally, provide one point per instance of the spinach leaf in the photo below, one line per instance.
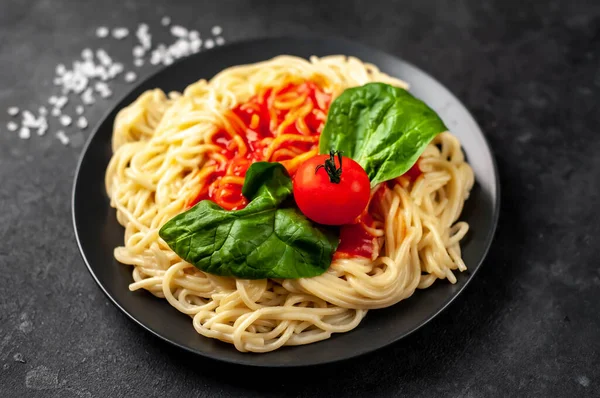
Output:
(384, 128)
(266, 239)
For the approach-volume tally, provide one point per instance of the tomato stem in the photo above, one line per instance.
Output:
(335, 174)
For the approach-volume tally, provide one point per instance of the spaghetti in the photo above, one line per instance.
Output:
(171, 151)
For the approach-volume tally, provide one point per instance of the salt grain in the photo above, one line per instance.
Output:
(79, 109)
(12, 126)
(13, 111)
(165, 21)
(120, 33)
(102, 32)
(82, 122)
(61, 102)
(65, 120)
(103, 57)
(130, 77)
(179, 31)
(62, 137)
(220, 41)
(138, 51)
(55, 112)
(88, 96)
(209, 43)
(194, 35)
(24, 133)
(138, 62)
(60, 69)
(217, 30)
(143, 36)
(43, 111)
(87, 54)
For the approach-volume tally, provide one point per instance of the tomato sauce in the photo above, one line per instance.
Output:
(259, 124)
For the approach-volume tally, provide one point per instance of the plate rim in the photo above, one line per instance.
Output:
(266, 38)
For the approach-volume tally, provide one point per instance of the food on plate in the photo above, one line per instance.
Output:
(278, 202)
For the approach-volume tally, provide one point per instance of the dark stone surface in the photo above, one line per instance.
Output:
(528, 325)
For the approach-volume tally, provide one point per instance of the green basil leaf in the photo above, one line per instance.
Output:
(384, 128)
(266, 239)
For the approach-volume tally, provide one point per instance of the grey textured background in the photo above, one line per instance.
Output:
(528, 325)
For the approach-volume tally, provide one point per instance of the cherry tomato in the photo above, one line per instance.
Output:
(330, 189)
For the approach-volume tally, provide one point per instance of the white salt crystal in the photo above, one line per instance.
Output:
(220, 41)
(138, 51)
(55, 112)
(165, 21)
(12, 126)
(194, 35)
(82, 122)
(79, 109)
(209, 43)
(24, 133)
(130, 77)
(87, 54)
(88, 96)
(179, 31)
(216, 30)
(13, 111)
(102, 31)
(138, 62)
(60, 69)
(62, 137)
(120, 33)
(65, 120)
(43, 111)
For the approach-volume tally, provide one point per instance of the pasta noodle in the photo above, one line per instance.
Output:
(168, 154)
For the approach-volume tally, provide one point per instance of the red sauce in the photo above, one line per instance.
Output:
(258, 123)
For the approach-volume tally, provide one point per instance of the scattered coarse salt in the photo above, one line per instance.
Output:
(87, 54)
(42, 130)
(179, 31)
(120, 33)
(103, 57)
(103, 89)
(115, 69)
(82, 122)
(60, 69)
(61, 102)
(65, 120)
(24, 133)
(143, 36)
(138, 51)
(102, 32)
(195, 45)
(62, 137)
(130, 77)
(89, 75)
(88, 96)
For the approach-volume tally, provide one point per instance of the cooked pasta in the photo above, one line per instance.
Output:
(172, 150)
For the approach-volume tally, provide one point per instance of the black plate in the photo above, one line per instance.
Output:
(98, 232)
